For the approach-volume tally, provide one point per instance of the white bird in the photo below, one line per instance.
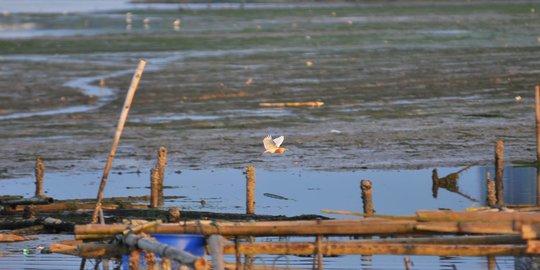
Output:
(177, 23)
(273, 146)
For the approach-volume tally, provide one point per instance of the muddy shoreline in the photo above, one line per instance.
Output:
(402, 89)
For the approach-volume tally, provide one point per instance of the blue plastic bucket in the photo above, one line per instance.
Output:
(192, 243)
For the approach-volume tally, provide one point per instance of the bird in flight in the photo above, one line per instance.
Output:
(273, 146)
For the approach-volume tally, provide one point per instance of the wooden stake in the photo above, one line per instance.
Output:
(250, 189)
(367, 197)
(491, 192)
(319, 252)
(154, 188)
(174, 215)
(407, 262)
(160, 166)
(134, 259)
(537, 107)
(40, 170)
(120, 127)
(499, 163)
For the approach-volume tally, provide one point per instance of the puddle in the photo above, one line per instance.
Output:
(296, 192)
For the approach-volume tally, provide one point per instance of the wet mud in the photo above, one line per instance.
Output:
(407, 85)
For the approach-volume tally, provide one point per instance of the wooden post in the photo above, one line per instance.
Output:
(491, 192)
(154, 188)
(120, 127)
(491, 263)
(161, 163)
(40, 170)
(537, 107)
(319, 252)
(407, 262)
(237, 253)
(499, 163)
(250, 189)
(134, 259)
(150, 260)
(367, 198)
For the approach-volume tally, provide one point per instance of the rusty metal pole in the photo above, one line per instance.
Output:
(499, 163)
(250, 189)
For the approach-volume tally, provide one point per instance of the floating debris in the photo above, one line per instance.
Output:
(292, 104)
(275, 196)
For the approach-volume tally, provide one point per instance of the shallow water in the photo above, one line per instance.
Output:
(295, 192)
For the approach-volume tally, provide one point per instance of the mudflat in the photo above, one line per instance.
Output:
(404, 85)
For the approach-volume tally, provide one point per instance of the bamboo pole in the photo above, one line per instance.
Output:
(499, 163)
(250, 189)
(5, 237)
(119, 228)
(367, 197)
(39, 170)
(337, 248)
(537, 109)
(89, 250)
(521, 217)
(469, 227)
(341, 212)
(264, 229)
(116, 139)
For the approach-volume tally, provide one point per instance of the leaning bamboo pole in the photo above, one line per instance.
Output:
(349, 248)
(116, 139)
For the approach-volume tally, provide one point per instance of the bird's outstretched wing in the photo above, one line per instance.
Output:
(269, 144)
(279, 140)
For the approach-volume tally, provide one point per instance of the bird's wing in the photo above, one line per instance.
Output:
(269, 144)
(279, 140)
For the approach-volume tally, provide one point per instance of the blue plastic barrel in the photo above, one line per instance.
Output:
(192, 243)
